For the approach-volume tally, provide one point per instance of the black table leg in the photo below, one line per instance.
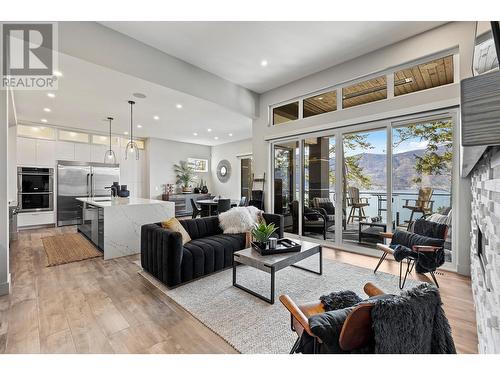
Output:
(320, 272)
(255, 294)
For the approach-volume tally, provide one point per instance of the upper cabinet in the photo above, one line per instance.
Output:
(82, 152)
(26, 151)
(45, 153)
(65, 151)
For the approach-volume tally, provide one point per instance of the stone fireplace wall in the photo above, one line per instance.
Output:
(485, 185)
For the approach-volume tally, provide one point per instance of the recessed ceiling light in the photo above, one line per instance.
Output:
(44, 120)
(216, 138)
(195, 134)
(47, 110)
(178, 106)
(57, 73)
(139, 95)
(209, 130)
(139, 126)
(126, 133)
(263, 63)
(51, 95)
(156, 117)
(230, 134)
(320, 98)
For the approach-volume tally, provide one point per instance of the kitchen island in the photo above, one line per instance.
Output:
(114, 225)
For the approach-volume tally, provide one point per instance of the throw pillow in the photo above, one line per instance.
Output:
(327, 326)
(236, 220)
(339, 300)
(174, 225)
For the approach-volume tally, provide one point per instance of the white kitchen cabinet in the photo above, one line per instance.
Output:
(82, 152)
(97, 153)
(65, 151)
(29, 219)
(45, 153)
(26, 151)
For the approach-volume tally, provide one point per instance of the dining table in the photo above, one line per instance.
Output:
(210, 204)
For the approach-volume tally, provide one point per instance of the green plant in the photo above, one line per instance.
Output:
(185, 174)
(262, 231)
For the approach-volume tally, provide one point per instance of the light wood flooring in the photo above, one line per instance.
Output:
(95, 306)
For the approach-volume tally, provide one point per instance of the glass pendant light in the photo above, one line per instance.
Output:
(131, 145)
(109, 156)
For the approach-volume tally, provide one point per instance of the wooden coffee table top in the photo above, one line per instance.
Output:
(252, 257)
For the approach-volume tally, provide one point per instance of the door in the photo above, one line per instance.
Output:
(287, 183)
(101, 180)
(246, 178)
(72, 182)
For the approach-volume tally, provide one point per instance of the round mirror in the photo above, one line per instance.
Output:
(223, 171)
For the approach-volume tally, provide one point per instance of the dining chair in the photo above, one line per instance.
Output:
(223, 205)
(196, 209)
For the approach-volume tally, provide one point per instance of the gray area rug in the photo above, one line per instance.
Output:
(251, 325)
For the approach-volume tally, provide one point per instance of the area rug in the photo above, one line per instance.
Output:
(251, 325)
(67, 248)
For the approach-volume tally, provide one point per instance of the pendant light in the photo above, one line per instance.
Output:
(109, 156)
(131, 145)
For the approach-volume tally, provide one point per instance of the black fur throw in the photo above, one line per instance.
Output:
(339, 300)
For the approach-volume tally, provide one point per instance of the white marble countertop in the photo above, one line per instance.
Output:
(107, 202)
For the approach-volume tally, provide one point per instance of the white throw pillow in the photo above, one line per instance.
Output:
(236, 220)
(254, 212)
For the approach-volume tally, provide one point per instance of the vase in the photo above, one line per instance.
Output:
(204, 190)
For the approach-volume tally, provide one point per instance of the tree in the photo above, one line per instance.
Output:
(436, 134)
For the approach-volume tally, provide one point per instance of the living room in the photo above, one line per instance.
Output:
(207, 187)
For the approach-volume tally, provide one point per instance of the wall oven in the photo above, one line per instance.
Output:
(35, 188)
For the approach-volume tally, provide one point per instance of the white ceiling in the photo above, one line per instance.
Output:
(89, 93)
(234, 50)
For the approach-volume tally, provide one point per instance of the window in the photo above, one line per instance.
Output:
(285, 113)
(485, 56)
(73, 136)
(103, 140)
(39, 132)
(322, 103)
(424, 76)
(364, 92)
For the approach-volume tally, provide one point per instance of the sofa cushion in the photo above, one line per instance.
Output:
(202, 227)
(205, 255)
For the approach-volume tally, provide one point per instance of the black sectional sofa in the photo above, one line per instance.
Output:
(209, 250)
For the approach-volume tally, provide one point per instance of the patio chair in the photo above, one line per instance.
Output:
(356, 203)
(313, 220)
(423, 203)
(425, 248)
(329, 207)
(356, 331)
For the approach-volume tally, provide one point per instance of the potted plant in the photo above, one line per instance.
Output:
(261, 233)
(185, 175)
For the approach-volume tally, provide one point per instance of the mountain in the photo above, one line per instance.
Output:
(403, 166)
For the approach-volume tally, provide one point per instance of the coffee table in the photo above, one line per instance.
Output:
(273, 263)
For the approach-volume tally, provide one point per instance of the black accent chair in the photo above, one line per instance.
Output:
(164, 257)
(196, 209)
(313, 220)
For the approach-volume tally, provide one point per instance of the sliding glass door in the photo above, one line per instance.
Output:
(319, 188)
(286, 158)
(334, 186)
(364, 182)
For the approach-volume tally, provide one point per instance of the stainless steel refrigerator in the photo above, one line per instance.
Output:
(80, 179)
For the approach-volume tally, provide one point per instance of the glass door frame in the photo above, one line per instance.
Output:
(387, 124)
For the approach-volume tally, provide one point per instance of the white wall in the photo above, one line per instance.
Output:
(230, 152)
(161, 157)
(12, 146)
(452, 36)
(4, 210)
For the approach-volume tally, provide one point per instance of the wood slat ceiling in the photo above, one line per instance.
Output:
(424, 76)
(285, 113)
(364, 92)
(322, 103)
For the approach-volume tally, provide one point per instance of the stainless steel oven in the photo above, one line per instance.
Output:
(35, 189)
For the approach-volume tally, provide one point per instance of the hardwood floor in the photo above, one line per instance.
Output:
(106, 307)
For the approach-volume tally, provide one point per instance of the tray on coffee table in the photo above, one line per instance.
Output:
(284, 245)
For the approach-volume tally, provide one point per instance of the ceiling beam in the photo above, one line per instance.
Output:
(100, 45)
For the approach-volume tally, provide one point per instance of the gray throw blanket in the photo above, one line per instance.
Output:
(413, 322)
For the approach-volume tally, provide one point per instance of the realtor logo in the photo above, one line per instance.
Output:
(28, 56)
